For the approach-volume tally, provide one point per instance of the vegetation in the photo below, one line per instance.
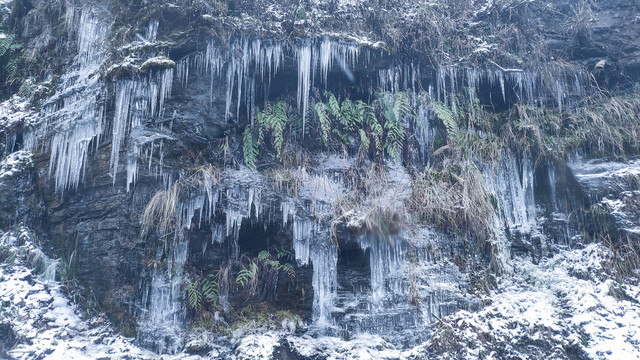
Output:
(9, 60)
(161, 213)
(250, 278)
(371, 130)
(203, 289)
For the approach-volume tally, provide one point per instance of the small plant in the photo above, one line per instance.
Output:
(205, 289)
(247, 275)
(9, 59)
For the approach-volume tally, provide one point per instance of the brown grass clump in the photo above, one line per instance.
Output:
(161, 213)
(453, 198)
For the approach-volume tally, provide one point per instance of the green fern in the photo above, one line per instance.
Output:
(273, 119)
(395, 139)
(334, 108)
(448, 119)
(346, 118)
(9, 58)
(264, 255)
(210, 289)
(289, 270)
(282, 253)
(250, 148)
(325, 122)
(394, 130)
(401, 107)
(194, 294)
(247, 275)
(364, 141)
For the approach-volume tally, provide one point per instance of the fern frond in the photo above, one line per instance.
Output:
(448, 119)
(282, 253)
(394, 139)
(278, 122)
(250, 148)
(264, 255)
(210, 289)
(244, 276)
(325, 122)
(334, 108)
(401, 107)
(289, 270)
(364, 140)
(194, 294)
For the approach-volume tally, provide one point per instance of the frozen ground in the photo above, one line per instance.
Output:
(564, 307)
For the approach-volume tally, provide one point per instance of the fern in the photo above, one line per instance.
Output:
(395, 139)
(9, 58)
(282, 253)
(273, 263)
(250, 148)
(210, 289)
(194, 294)
(448, 119)
(346, 115)
(289, 270)
(278, 123)
(334, 108)
(264, 255)
(364, 141)
(247, 275)
(274, 119)
(325, 122)
(401, 107)
(392, 126)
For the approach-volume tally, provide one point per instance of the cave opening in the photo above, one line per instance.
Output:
(354, 270)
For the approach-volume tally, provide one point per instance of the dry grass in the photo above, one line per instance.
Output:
(161, 213)
(453, 198)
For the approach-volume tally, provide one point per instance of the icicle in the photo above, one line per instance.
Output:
(324, 258)
(304, 55)
(514, 193)
(135, 100)
(303, 230)
(152, 31)
(325, 58)
(385, 261)
(162, 327)
(76, 111)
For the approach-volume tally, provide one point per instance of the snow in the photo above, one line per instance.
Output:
(546, 302)
(564, 301)
(14, 163)
(47, 325)
(15, 111)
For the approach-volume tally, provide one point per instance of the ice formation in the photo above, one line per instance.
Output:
(76, 111)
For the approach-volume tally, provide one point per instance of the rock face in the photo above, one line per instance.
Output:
(378, 172)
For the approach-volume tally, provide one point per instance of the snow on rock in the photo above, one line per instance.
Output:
(560, 308)
(16, 110)
(257, 347)
(14, 163)
(46, 324)
(614, 185)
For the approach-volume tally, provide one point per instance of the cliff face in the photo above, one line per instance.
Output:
(413, 171)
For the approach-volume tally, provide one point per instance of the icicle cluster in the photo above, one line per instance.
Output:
(75, 114)
(247, 61)
(136, 101)
(512, 186)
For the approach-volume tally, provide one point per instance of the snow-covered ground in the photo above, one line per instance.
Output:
(564, 307)
(565, 301)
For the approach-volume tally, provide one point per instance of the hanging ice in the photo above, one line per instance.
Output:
(304, 79)
(76, 111)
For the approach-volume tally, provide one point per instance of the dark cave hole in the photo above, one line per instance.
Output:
(354, 270)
